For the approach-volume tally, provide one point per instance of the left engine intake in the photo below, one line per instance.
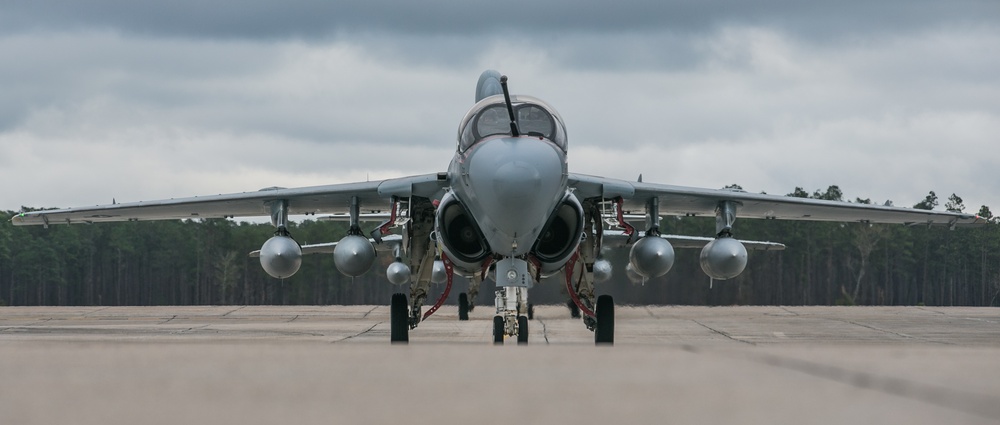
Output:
(560, 236)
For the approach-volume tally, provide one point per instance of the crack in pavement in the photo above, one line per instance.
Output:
(788, 311)
(901, 335)
(975, 319)
(369, 312)
(39, 322)
(545, 332)
(195, 328)
(722, 333)
(357, 334)
(978, 404)
(233, 311)
(96, 311)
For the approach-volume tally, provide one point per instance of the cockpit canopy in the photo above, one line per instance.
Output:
(489, 118)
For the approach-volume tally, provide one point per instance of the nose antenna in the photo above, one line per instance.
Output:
(510, 108)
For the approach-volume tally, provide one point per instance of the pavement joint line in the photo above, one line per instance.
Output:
(723, 333)
(370, 312)
(650, 312)
(357, 334)
(984, 405)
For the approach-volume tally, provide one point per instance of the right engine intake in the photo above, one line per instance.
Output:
(561, 235)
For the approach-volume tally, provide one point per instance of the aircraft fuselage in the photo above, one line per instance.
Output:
(507, 191)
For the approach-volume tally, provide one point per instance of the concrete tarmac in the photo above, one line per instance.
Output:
(334, 364)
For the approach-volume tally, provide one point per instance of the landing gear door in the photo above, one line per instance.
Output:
(513, 272)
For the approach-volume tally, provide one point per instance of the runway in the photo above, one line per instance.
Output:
(333, 364)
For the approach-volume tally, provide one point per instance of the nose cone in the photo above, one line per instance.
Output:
(513, 185)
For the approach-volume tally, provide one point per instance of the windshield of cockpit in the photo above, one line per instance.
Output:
(490, 118)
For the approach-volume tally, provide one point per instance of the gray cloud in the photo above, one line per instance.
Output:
(135, 101)
(321, 18)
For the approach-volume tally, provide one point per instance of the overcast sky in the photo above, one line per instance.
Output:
(131, 101)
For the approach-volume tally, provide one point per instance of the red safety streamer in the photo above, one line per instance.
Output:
(629, 230)
(449, 270)
(387, 226)
(568, 271)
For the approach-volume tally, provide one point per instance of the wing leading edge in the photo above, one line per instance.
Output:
(336, 198)
(691, 201)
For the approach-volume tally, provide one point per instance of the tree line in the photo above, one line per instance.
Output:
(206, 262)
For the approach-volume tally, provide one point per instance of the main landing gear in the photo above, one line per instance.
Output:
(599, 318)
(513, 311)
(510, 322)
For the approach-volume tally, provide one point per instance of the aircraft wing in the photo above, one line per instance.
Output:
(390, 242)
(618, 239)
(691, 201)
(336, 198)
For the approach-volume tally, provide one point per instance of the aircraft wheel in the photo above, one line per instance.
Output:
(463, 306)
(605, 331)
(522, 330)
(399, 319)
(531, 311)
(498, 330)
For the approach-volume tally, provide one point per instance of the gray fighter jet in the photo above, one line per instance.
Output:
(507, 208)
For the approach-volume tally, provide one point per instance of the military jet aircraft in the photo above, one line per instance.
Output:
(507, 206)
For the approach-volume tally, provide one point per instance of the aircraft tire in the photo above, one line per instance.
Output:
(498, 330)
(604, 334)
(522, 330)
(531, 311)
(399, 320)
(463, 306)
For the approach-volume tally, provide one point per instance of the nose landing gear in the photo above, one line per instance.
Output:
(511, 319)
